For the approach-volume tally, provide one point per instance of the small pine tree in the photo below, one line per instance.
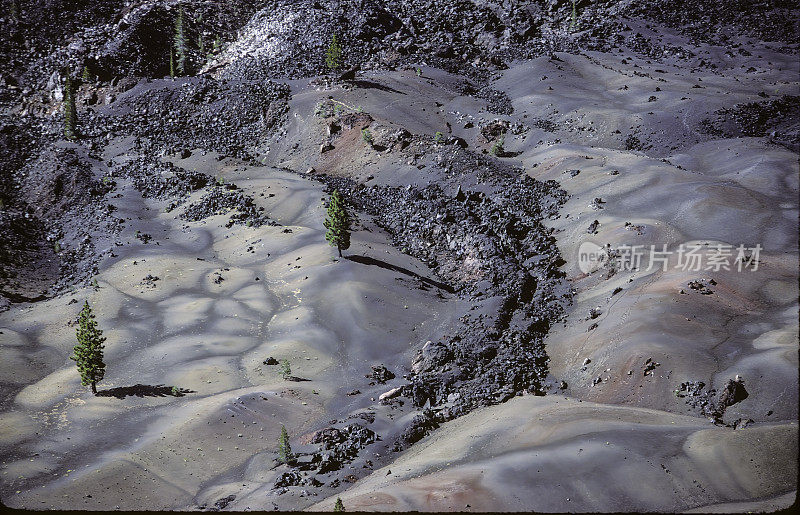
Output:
(339, 506)
(574, 17)
(70, 112)
(286, 369)
(333, 56)
(498, 149)
(366, 135)
(337, 223)
(88, 354)
(14, 10)
(179, 42)
(284, 449)
(86, 75)
(171, 64)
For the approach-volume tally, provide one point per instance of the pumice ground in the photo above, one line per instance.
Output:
(399, 255)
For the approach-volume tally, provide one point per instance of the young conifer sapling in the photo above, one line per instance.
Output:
(88, 353)
(284, 449)
(337, 223)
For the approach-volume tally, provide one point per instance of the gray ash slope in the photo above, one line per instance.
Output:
(496, 351)
(57, 236)
(236, 105)
(232, 108)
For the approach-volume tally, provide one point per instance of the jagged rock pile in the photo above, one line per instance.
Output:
(206, 113)
(422, 424)
(340, 446)
(715, 21)
(220, 200)
(492, 248)
(288, 38)
(778, 118)
(161, 179)
(698, 397)
(336, 448)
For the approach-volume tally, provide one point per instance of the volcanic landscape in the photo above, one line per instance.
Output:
(485, 342)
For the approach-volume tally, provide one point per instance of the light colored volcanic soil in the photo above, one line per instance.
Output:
(559, 454)
(285, 298)
(626, 443)
(629, 445)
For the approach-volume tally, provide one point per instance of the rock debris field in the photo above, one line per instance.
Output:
(571, 284)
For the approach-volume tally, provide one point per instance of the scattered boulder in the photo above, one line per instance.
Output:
(650, 366)
(430, 356)
(394, 392)
(350, 74)
(597, 203)
(328, 437)
(420, 425)
(389, 138)
(223, 503)
(702, 286)
(150, 280)
(494, 130)
(733, 393)
(455, 140)
(380, 374)
(698, 397)
(291, 478)
(295, 478)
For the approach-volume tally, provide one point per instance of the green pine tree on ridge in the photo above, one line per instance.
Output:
(333, 56)
(70, 111)
(179, 42)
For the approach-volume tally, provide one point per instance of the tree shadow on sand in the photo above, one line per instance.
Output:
(296, 379)
(368, 84)
(144, 390)
(506, 153)
(366, 260)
